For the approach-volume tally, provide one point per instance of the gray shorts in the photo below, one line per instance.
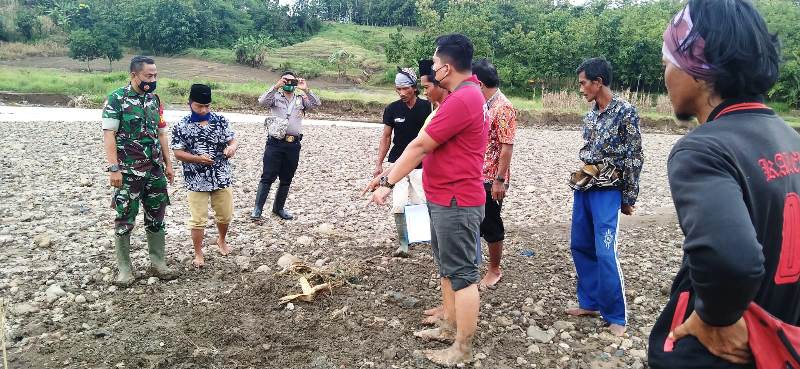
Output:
(456, 242)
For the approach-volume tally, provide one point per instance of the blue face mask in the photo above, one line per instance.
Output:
(198, 117)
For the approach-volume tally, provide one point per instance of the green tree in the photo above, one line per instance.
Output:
(638, 59)
(161, 26)
(6, 34)
(252, 50)
(108, 43)
(221, 22)
(782, 17)
(515, 68)
(83, 46)
(28, 24)
(476, 20)
(343, 60)
(397, 47)
(286, 25)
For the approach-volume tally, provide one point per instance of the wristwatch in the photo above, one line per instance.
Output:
(384, 182)
(113, 168)
(500, 179)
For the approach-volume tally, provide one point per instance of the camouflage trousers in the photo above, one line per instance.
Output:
(150, 191)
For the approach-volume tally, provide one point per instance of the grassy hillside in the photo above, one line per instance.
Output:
(311, 57)
(96, 86)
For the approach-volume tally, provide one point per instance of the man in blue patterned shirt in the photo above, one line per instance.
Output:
(204, 142)
(607, 183)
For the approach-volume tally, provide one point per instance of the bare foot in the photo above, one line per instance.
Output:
(439, 310)
(198, 261)
(224, 250)
(432, 320)
(576, 311)
(491, 278)
(617, 330)
(436, 334)
(433, 316)
(450, 356)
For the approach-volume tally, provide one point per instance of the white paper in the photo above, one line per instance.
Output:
(418, 222)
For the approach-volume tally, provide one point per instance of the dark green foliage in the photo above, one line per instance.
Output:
(397, 47)
(160, 26)
(83, 46)
(534, 43)
(28, 25)
(365, 12)
(171, 26)
(108, 41)
(251, 50)
(782, 17)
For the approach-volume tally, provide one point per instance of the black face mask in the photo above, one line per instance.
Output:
(147, 87)
(435, 81)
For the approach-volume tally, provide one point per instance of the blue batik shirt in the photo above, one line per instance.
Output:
(198, 140)
(613, 136)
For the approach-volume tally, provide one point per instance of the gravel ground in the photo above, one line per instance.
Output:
(56, 252)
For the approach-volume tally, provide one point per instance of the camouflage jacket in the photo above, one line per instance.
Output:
(137, 120)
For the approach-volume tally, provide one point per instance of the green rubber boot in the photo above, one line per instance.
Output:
(402, 236)
(156, 242)
(122, 246)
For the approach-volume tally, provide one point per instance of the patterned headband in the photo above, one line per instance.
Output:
(676, 38)
(405, 78)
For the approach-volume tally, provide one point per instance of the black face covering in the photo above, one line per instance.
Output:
(435, 81)
(147, 87)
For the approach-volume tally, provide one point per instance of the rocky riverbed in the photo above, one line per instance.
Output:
(57, 263)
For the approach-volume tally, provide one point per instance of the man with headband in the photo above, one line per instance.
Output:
(735, 182)
(403, 119)
(606, 184)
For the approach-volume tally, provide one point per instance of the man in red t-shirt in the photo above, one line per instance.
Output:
(451, 148)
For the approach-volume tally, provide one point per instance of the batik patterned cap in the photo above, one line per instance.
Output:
(405, 78)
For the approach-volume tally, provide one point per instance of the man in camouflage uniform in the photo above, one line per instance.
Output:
(134, 133)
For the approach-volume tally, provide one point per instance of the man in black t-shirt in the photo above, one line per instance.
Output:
(735, 182)
(403, 119)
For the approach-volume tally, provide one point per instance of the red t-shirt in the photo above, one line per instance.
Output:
(454, 168)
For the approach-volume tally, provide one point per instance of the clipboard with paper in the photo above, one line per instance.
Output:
(418, 223)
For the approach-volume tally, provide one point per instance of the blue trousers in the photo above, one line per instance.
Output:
(595, 220)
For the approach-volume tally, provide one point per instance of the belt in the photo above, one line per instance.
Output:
(289, 138)
(293, 138)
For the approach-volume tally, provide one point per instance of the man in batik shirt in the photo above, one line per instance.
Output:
(612, 160)
(496, 164)
(135, 141)
(204, 142)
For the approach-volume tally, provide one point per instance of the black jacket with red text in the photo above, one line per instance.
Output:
(735, 182)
